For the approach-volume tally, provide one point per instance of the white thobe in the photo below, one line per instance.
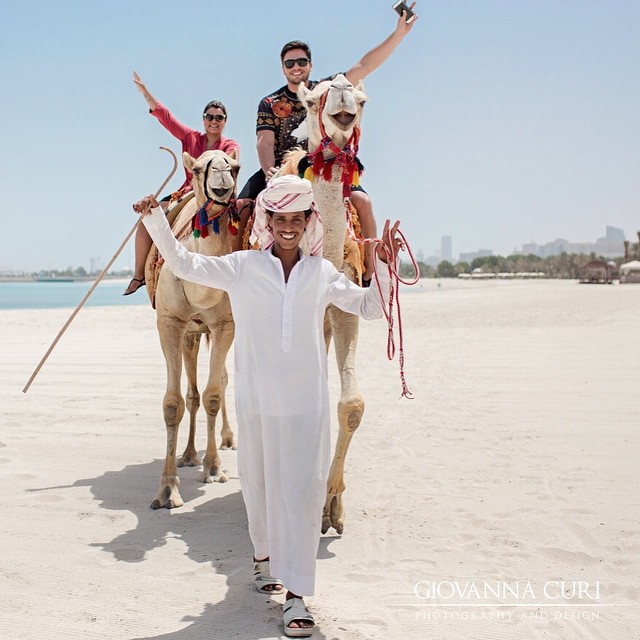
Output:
(282, 398)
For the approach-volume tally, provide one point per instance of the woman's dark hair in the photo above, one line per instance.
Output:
(295, 44)
(215, 104)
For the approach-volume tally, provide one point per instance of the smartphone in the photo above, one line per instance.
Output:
(400, 6)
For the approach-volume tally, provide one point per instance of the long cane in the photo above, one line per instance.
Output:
(99, 278)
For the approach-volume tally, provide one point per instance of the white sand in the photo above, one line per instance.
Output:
(518, 462)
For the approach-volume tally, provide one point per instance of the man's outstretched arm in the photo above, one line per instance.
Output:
(378, 55)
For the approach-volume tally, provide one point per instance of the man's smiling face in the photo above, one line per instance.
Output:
(297, 73)
(287, 228)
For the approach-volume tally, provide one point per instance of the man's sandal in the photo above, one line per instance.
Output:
(293, 610)
(140, 282)
(265, 583)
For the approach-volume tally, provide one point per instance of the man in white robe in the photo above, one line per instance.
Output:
(279, 297)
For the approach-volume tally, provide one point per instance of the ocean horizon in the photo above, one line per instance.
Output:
(60, 295)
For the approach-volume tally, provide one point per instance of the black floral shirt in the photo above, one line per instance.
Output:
(282, 113)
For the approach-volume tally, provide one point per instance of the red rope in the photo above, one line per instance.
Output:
(394, 294)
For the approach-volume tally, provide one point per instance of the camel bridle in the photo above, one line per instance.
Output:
(203, 217)
(344, 158)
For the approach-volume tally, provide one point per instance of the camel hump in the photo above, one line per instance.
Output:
(291, 162)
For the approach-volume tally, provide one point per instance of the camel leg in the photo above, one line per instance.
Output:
(221, 339)
(350, 411)
(171, 332)
(191, 346)
(228, 439)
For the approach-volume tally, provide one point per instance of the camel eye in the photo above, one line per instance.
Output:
(310, 104)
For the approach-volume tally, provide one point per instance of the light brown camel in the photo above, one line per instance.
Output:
(334, 109)
(184, 312)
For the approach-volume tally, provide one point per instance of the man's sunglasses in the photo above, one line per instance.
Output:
(214, 116)
(301, 62)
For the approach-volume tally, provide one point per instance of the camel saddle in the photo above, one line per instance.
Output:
(179, 220)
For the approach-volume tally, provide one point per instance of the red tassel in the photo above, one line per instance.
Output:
(317, 164)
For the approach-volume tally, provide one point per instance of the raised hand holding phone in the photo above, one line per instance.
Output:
(400, 6)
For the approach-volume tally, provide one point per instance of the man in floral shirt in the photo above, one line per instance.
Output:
(280, 113)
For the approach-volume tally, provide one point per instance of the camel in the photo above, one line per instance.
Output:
(185, 311)
(334, 110)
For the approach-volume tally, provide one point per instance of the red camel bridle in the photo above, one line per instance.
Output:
(344, 158)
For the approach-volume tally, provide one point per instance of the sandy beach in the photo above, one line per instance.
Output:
(516, 464)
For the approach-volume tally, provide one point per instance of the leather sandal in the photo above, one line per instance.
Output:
(141, 284)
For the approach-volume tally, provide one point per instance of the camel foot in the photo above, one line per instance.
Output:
(228, 442)
(189, 460)
(209, 477)
(168, 497)
(333, 515)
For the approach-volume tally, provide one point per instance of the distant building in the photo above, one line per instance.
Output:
(611, 246)
(614, 235)
(446, 248)
(469, 257)
(596, 272)
(527, 249)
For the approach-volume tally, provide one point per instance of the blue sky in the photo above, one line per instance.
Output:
(496, 122)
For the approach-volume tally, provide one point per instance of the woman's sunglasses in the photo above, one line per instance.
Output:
(214, 116)
(301, 62)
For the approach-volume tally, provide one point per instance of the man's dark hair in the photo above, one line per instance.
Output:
(295, 44)
(215, 104)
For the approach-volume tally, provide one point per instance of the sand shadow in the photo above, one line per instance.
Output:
(214, 533)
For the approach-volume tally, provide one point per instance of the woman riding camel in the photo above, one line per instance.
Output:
(195, 143)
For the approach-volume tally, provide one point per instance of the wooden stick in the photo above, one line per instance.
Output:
(99, 278)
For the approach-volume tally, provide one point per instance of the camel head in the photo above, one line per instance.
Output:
(341, 113)
(215, 176)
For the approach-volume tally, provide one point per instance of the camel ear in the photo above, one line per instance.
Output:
(360, 86)
(234, 154)
(303, 92)
(188, 161)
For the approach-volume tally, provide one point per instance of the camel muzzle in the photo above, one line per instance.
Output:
(343, 118)
(221, 192)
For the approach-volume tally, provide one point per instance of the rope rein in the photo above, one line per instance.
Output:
(394, 294)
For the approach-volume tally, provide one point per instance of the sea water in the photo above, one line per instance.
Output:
(60, 295)
(55, 295)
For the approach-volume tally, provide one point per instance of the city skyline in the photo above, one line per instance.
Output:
(611, 245)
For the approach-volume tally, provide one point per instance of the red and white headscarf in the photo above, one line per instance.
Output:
(286, 194)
